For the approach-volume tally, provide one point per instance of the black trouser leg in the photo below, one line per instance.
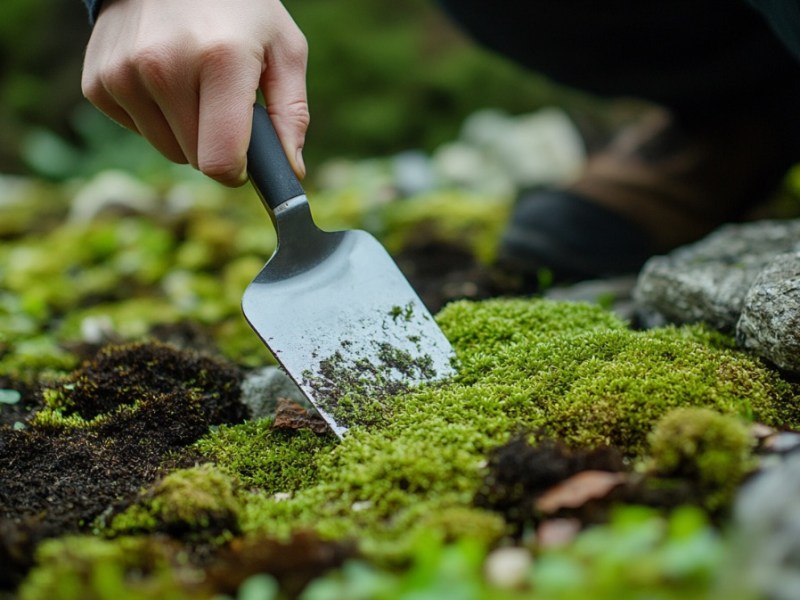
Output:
(698, 57)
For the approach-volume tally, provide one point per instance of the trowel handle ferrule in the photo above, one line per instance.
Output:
(267, 165)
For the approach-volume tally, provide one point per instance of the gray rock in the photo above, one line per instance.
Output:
(766, 546)
(770, 320)
(262, 389)
(613, 293)
(708, 280)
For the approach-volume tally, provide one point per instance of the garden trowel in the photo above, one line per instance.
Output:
(333, 307)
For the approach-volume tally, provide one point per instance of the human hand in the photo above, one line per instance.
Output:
(184, 74)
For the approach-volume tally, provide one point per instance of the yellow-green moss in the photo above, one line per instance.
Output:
(201, 499)
(270, 460)
(128, 568)
(569, 371)
(712, 450)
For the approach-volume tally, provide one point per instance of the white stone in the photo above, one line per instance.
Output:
(508, 568)
(112, 188)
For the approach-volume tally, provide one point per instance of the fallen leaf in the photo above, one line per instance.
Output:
(579, 489)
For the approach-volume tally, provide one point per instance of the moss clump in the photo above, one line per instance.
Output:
(711, 450)
(130, 568)
(581, 375)
(200, 500)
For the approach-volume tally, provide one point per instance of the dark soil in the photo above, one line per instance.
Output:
(154, 400)
(442, 272)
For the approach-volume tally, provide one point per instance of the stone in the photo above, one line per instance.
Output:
(707, 281)
(508, 567)
(262, 389)
(112, 190)
(614, 293)
(413, 173)
(766, 548)
(770, 320)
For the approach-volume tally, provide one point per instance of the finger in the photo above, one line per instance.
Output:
(173, 89)
(151, 123)
(94, 91)
(125, 97)
(284, 88)
(228, 86)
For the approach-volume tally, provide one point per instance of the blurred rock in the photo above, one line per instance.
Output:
(508, 567)
(112, 191)
(262, 389)
(767, 536)
(615, 293)
(465, 166)
(495, 155)
(499, 154)
(413, 173)
(541, 148)
(770, 320)
(708, 280)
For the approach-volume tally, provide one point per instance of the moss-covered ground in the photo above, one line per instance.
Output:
(131, 470)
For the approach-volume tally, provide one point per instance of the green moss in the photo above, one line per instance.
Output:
(712, 450)
(639, 554)
(201, 499)
(272, 461)
(81, 567)
(570, 371)
(37, 357)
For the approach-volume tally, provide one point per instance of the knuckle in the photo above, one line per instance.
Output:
(298, 113)
(224, 171)
(118, 81)
(219, 54)
(91, 87)
(152, 65)
(297, 46)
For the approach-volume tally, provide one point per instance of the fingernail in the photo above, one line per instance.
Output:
(301, 165)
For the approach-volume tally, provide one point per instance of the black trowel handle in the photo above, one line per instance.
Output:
(267, 165)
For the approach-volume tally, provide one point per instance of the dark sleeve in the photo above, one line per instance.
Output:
(784, 18)
(93, 7)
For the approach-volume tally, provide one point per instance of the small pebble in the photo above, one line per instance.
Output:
(10, 396)
(508, 568)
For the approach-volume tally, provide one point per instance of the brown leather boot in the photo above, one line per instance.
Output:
(656, 186)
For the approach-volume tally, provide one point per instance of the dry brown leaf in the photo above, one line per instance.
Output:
(290, 415)
(579, 489)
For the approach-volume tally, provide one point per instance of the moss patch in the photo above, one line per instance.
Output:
(573, 372)
(570, 372)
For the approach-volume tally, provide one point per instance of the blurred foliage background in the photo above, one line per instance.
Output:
(383, 77)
